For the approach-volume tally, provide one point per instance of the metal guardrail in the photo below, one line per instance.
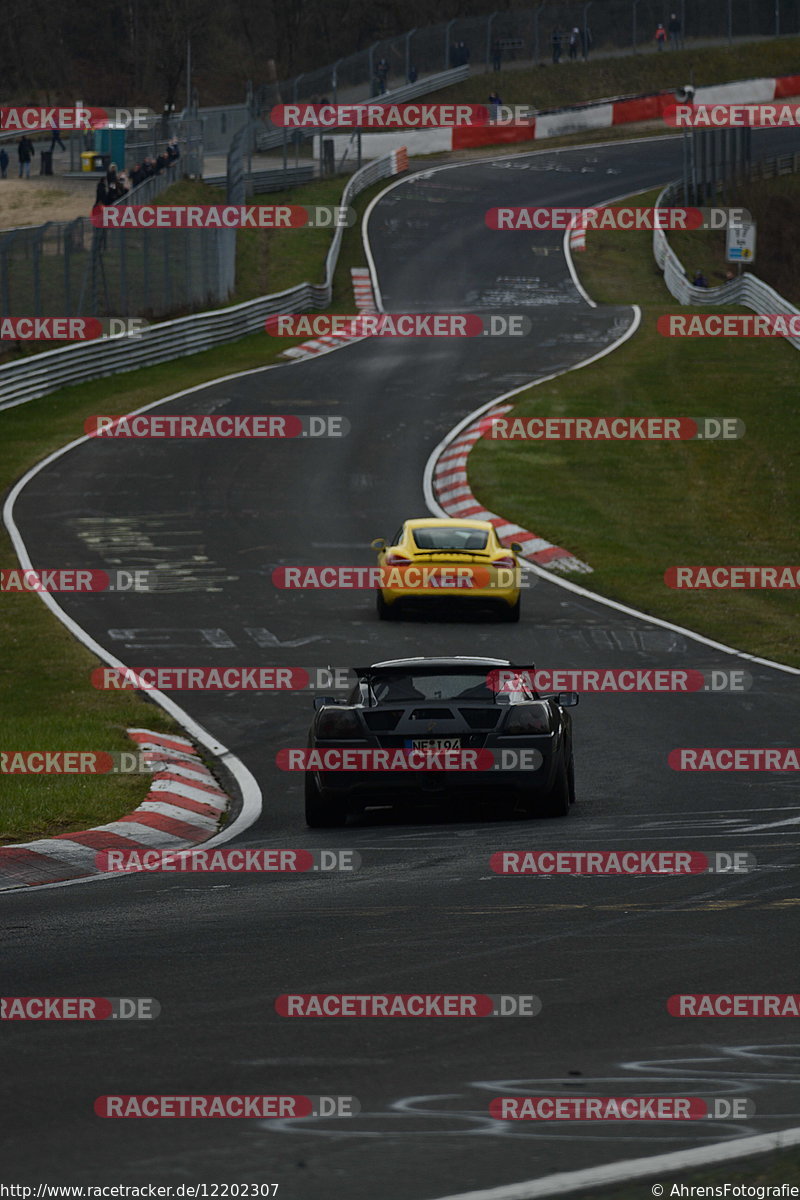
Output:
(747, 289)
(274, 138)
(276, 180)
(41, 374)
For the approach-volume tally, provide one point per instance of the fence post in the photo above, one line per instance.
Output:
(489, 24)
(447, 29)
(536, 31)
(409, 36)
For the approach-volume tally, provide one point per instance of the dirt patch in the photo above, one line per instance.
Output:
(34, 201)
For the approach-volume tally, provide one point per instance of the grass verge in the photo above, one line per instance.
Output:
(632, 509)
(548, 86)
(46, 699)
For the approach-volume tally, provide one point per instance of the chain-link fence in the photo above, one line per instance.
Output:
(528, 34)
(70, 268)
(66, 269)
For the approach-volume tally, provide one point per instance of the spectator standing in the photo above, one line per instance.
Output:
(382, 73)
(25, 153)
(56, 139)
(494, 105)
(412, 74)
(674, 29)
(661, 37)
(574, 43)
(115, 186)
(3, 163)
(556, 40)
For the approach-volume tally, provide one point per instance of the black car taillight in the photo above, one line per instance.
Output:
(527, 718)
(338, 723)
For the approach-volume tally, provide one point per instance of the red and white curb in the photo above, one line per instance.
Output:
(577, 239)
(363, 294)
(183, 806)
(453, 494)
(364, 301)
(362, 289)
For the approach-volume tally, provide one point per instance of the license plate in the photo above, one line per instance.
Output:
(452, 743)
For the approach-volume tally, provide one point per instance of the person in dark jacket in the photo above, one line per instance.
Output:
(3, 163)
(115, 188)
(674, 30)
(25, 153)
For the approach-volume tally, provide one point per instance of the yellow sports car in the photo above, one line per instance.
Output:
(444, 558)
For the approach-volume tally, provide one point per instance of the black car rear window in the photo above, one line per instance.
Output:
(395, 687)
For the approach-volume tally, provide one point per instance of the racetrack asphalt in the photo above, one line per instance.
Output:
(425, 913)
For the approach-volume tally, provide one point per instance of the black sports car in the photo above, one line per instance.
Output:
(453, 713)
